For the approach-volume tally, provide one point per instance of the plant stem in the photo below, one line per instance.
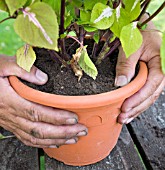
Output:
(103, 52)
(72, 45)
(82, 34)
(7, 137)
(116, 44)
(116, 4)
(153, 15)
(107, 36)
(62, 19)
(11, 17)
(144, 5)
(54, 54)
(95, 47)
(62, 40)
(68, 36)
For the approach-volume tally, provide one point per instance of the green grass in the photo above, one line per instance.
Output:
(10, 42)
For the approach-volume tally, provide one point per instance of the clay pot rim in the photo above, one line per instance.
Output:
(77, 102)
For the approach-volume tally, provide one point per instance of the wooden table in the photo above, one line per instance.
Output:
(141, 146)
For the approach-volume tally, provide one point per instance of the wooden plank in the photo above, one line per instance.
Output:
(123, 156)
(16, 156)
(149, 133)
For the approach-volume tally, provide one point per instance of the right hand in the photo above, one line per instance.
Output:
(35, 125)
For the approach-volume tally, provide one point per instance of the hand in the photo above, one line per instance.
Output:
(125, 69)
(35, 125)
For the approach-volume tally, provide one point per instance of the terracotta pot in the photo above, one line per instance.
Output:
(98, 112)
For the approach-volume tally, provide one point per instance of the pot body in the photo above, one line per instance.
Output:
(98, 112)
(103, 133)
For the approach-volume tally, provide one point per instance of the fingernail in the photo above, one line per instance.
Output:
(71, 121)
(128, 109)
(121, 81)
(125, 121)
(83, 133)
(129, 120)
(41, 76)
(53, 146)
(71, 141)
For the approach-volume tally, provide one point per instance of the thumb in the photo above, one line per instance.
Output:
(125, 68)
(35, 76)
(9, 67)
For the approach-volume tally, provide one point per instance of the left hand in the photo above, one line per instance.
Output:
(149, 52)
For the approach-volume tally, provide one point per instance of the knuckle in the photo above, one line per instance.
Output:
(32, 114)
(2, 104)
(60, 142)
(33, 141)
(157, 80)
(67, 133)
(25, 142)
(19, 71)
(154, 97)
(124, 66)
(134, 112)
(37, 132)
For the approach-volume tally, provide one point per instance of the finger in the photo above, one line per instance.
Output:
(39, 113)
(48, 131)
(9, 67)
(35, 112)
(155, 77)
(130, 115)
(27, 143)
(28, 139)
(6, 125)
(125, 68)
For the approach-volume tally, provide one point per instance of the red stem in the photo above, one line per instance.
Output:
(153, 15)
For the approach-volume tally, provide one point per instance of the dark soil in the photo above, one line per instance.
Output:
(63, 81)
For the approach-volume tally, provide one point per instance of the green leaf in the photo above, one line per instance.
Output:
(68, 20)
(55, 4)
(131, 38)
(85, 15)
(123, 16)
(3, 6)
(112, 38)
(133, 8)
(90, 4)
(102, 16)
(87, 65)
(143, 27)
(87, 23)
(6, 137)
(1, 136)
(72, 33)
(120, 21)
(130, 5)
(96, 37)
(70, 10)
(89, 28)
(77, 3)
(26, 57)
(14, 5)
(29, 2)
(36, 27)
(162, 53)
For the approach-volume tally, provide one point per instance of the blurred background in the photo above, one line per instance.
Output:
(10, 42)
